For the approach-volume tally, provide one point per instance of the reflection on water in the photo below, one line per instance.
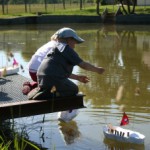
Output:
(124, 51)
(69, 131)
(113, 145)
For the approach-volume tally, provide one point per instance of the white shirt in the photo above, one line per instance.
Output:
(39, 55)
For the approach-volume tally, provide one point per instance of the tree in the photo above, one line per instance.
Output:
(81, 2)
(3, 3)
(97, 7)
(45, 3)
(3, 6)
(64, 4)
(130, 4)
(25, 4)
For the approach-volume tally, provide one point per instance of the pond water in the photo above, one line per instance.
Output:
(124, 51)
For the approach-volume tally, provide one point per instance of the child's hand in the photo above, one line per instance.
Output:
(83, 78)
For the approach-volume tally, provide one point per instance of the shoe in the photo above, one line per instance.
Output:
(67, 116)
(33, 93)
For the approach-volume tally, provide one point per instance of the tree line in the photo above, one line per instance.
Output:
(29, 1)
(130, 9)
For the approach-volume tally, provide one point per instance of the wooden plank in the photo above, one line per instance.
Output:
(35, 107)
(13, 104)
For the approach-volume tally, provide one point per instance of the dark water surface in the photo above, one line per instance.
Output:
(124, 51)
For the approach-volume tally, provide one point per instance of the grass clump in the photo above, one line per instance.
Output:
(10, 140)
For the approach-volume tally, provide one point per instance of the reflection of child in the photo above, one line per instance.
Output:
(69, 131)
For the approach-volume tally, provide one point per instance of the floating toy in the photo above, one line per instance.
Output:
(123, 135)
(9, 70)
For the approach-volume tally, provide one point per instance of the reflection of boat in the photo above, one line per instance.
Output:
(118, 145)
(123, 135)
(9, 70)
(69, 131)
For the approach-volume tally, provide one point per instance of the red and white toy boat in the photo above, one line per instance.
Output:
(123, 135)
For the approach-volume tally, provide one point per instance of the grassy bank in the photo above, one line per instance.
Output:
(57, 9)
(10, 139)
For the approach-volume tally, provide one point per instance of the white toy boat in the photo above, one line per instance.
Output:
(9, 70)
(123, 135)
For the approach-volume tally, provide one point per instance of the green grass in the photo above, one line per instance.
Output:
(52, 9)
(57, 9)
(9, 139)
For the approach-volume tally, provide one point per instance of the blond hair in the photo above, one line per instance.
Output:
(54, 37)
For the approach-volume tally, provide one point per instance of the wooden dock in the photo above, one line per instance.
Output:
(13, 104)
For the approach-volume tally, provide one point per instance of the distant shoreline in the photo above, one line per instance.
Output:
(54, 19)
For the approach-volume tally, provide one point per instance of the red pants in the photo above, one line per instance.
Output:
(33, 76)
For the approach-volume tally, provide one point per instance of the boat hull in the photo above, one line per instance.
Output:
(123, 135)
(10, 70)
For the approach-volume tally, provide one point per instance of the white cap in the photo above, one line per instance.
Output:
(68, 32)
